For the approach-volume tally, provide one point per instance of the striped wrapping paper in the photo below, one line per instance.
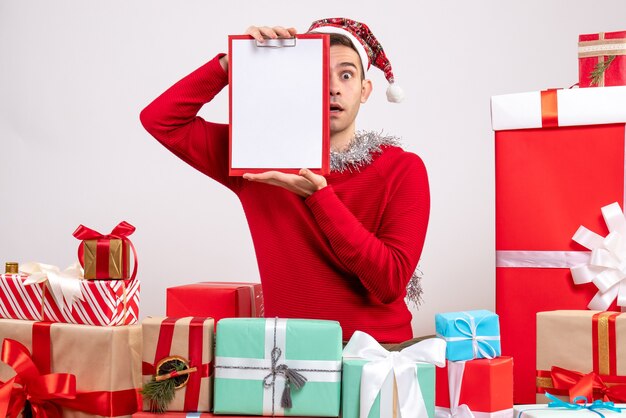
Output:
(105, 302)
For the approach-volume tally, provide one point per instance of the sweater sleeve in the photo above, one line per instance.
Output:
(172, 119)
(384, 260)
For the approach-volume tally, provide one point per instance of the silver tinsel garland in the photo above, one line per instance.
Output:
(359, 153)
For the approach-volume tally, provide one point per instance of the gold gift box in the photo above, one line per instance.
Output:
(117, 267)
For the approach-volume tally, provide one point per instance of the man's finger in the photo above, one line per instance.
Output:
(255, 33)
(268, 32)
(312, 177)
(284, 33)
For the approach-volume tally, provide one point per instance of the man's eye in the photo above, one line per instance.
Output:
(346, 76)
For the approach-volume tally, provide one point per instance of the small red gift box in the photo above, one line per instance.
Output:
(602, 59)
(106, 256)
(549, 181)
(486, 386)
(216, 300)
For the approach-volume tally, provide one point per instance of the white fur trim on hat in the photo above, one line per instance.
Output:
(357, 44)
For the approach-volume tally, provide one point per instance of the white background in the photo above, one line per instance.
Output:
(74, 75)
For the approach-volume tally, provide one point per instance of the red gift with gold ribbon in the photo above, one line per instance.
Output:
(69, 370)
(187, 341)
(602, 59)
(581, 353)
(107, 256)
(559, 159)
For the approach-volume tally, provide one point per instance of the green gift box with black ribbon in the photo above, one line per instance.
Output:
(272, 366)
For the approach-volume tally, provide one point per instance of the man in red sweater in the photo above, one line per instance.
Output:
(341, 247)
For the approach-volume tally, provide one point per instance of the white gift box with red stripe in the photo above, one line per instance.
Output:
(98, 302)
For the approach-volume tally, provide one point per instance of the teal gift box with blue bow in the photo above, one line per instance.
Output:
(272, 366)
(470, 334)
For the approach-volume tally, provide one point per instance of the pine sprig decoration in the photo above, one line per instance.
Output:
(161, 392)
(599, 70)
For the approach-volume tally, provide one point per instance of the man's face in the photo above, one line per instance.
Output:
(347, 89)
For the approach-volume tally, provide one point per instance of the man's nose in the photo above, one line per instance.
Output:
(334, 86)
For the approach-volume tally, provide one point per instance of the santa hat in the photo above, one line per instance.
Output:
(366, 44)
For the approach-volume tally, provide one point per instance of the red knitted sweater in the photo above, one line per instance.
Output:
(345, 253)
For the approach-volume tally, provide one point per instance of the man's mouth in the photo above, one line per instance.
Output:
(335, 108)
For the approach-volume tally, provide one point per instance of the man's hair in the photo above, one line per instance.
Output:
(339, 39)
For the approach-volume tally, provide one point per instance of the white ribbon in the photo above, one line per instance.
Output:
(401, 364)
(541, 259)
(258, 369)
(63, 285)
(606, 268)
(472, 334)
(455, 381)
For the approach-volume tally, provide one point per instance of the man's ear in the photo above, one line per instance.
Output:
(366, 90)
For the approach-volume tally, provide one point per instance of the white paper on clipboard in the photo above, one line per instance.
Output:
(279, 104)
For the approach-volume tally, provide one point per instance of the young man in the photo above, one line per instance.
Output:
(341, 247)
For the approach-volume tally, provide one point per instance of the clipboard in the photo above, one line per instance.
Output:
(279, 104)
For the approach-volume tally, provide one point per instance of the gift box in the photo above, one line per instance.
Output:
(106, 256)
(549, 181)
(378, 383)
(96, 371)
(581, 353)
(567, 410)
(602, 59)
(485, 386)
(51, 295)
(216, 300)
(172, 344)
(277, 367)
(469, 335)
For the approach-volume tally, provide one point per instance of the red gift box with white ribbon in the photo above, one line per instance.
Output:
(559, 159)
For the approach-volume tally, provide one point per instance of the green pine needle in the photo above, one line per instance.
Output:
(159, 394)
(599, 70)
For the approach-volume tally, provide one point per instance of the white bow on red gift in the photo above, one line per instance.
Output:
(606, 267)
(64, 285)
(401, 364)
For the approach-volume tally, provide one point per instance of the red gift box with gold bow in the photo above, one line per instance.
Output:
(66, 370)
(581, 353)
(107, 256)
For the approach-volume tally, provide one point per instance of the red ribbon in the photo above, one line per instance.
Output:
(549, 109)
(121, 231)
(47, 392)
(41, 390)
(590, 385)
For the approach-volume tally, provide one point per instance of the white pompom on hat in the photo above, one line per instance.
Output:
(370, 50)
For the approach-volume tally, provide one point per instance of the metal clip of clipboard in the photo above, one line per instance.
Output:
(277, 43)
